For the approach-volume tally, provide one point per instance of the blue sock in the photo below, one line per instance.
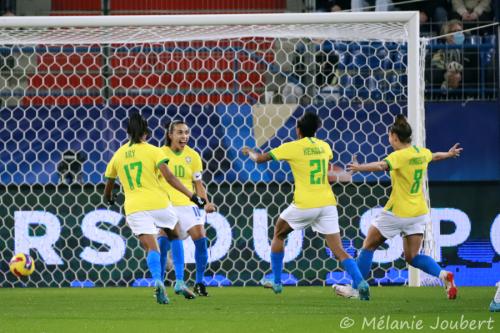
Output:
(178, 258)
(351, 267)
(201, 258)
(364, 262)
(426, 264)
(153, 260)
(164, 244)
(277, 265)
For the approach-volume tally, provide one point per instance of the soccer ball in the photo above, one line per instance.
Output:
(22, 265)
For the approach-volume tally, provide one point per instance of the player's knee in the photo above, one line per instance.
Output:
(409, 257)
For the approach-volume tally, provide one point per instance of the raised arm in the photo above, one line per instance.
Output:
(256, 157)
(176, 183)
(202, 193)
(453, 152)
(368, 167)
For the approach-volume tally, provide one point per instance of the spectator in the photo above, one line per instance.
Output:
(451, 68)
(7, 7)
(333, 5)
(472, 10)
(364, 5)
(433, 14)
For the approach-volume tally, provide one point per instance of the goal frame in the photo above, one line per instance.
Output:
(415, 106)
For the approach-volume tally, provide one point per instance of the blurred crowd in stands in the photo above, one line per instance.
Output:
(462, 55)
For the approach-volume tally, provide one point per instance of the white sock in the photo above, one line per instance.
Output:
(497, 295)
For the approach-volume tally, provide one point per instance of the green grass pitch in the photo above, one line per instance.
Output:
(249, 309)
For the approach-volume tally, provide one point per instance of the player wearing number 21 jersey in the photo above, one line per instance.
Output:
(313, 204)
(406, 213)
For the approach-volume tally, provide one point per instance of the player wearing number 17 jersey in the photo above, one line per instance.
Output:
(406, 212)
(314, 203)
(147, 208)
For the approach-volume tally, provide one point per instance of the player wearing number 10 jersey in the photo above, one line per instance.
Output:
(314, 203)
(186, 164)
(406, 212)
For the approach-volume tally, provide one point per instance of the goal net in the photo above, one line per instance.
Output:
(68, 84)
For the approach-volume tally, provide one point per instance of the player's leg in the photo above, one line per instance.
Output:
(180, 286)
(348, 264)
(177, 251)
(364, 260)
(164, 245)
(365, 257)
(411, 245)
(281, 231)
(198, 235)
(148, 242)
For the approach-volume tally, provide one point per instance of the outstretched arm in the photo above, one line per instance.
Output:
(256, 157)
(368, 167)
(453, 152)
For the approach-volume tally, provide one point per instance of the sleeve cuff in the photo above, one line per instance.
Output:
(272, 155)
(388, 163)
(165, 160)
(108, 177)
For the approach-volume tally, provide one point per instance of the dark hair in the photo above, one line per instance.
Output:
(169, 127)
(401, 128)
(137, 127)
(308, 124)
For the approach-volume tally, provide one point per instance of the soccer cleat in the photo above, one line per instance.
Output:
(269, 284)
(494, 306)
(200, 289)
(161, 294)
(448, 280)
(364, 291)
(181, 288)
(346, 291)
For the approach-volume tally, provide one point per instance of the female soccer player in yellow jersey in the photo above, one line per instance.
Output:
(186, 164)
(406, 212)
(314, 203)
(147, 208)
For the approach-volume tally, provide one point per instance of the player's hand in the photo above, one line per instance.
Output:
(245, 150)
(200, 202)
(111, 200)
(455, 150)
(210, 207)
(353, 166)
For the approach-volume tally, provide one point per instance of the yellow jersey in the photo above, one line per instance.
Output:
(308, 159)
(187, 167)
(136, 165)
(407, 169)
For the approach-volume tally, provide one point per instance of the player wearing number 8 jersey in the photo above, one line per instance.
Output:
(314, 203)
(406, 212)
(147, 208)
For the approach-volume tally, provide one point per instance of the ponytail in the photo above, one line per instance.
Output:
(402, 129)
(137, 127)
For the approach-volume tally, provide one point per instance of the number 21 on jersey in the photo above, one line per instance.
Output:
(317, 174)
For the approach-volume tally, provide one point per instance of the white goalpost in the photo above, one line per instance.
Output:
(68, 84)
